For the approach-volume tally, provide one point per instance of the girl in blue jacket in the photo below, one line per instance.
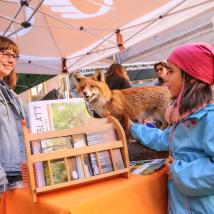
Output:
(190, 140)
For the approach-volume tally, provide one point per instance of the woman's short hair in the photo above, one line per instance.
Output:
(117, 69)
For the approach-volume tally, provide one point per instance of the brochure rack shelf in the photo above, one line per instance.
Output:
(95, 126)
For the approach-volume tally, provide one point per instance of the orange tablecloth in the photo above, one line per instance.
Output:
(137, 194)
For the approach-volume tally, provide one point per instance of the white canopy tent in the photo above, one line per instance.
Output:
(86, 31)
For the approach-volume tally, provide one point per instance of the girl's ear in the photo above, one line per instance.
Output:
(99, 76)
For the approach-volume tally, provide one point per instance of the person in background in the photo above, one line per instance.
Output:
(190, 140)
(161, 72)
(116, 77)
(12, 149)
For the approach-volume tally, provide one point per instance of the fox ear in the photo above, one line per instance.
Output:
(99, 75)
(76, 76)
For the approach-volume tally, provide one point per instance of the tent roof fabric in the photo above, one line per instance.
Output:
(85, 31)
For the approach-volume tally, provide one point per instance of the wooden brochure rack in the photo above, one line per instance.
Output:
(95, 126)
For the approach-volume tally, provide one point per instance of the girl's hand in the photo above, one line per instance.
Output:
(168, 163)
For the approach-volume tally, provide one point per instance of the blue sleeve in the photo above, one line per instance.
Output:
(196, 178)
(153, 138)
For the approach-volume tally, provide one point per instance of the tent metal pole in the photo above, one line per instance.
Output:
(12, 21)
(8, 18)
(28, 20)
(67, 86)
(117, 57)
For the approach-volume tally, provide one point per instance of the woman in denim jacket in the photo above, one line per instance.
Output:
(12, 150)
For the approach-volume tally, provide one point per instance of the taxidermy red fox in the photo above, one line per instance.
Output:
(137, 103)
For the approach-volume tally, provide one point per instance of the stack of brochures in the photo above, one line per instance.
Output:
(146, 167)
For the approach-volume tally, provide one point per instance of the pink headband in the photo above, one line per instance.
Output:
(196, 59)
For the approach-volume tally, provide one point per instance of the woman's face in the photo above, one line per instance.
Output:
(174, 79)
(7, 62)
(161, 71)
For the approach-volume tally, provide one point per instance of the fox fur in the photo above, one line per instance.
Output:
(135, 103)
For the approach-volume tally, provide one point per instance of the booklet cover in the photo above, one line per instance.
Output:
(58, 171)
(73, 169)
(50, 115)
(78, 142)
(104, 156)
(146, 167)
(55, 144)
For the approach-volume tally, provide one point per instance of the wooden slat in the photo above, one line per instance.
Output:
(99, 127)
(82, 161)
(112, 159)
(69, 132)
(29, 161)
(83, 180)
(76, 151)
(67, 169)
(50, 172)
(121, 135)
(98, 163)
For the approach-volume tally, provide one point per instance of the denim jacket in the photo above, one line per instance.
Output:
(12, 149)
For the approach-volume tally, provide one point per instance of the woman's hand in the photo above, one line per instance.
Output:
(168, 163)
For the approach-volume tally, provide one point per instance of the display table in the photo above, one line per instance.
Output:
(135, 195)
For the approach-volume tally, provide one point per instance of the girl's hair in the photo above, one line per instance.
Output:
(119, 70)
(7, 44)
(164, 64)
(196, 93)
